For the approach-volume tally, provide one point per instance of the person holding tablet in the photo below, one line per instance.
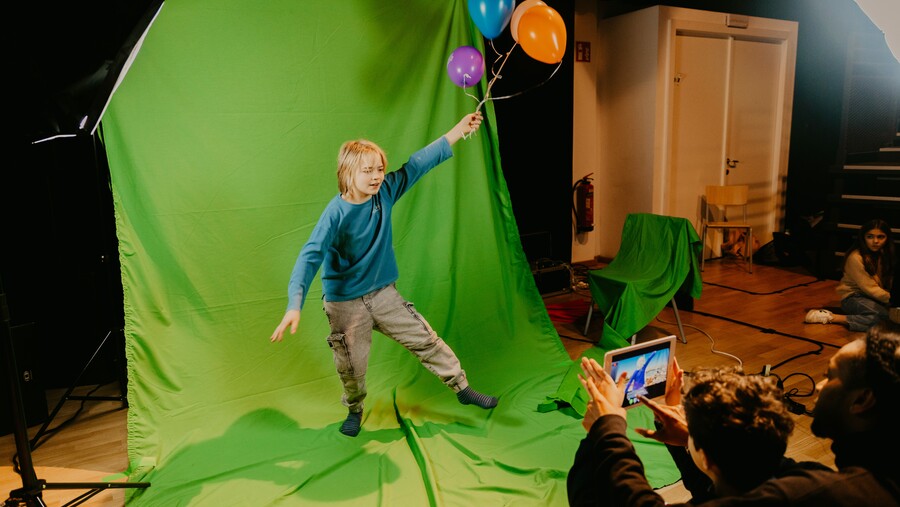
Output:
(736, 433)
(855, 408)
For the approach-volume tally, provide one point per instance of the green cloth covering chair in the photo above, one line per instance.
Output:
(658, 256)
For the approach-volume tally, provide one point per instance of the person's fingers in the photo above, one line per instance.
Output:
(593, 390)
(593, 369)
(656, 408)
(645, 432)
(588, 385)
(679, 373)
(601, 374)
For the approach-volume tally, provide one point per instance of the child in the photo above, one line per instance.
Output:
(866, 284)
(354, 240)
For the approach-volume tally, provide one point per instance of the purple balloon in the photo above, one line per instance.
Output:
(465, 66)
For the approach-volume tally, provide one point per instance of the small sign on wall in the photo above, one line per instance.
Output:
(582, 51)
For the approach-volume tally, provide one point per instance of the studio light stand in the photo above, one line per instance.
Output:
(30, 494)
(114, 328)
(71, 112)
(68, 394)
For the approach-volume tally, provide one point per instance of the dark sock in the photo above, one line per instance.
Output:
(469, 396)
(351, 424)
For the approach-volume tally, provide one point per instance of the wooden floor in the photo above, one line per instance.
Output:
(769, 301)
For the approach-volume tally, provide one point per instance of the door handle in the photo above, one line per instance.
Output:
(731, 165)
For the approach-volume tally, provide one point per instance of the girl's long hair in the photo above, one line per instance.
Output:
(884, 257)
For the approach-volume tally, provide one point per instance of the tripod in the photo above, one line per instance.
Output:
(68, 394)
(30, 494)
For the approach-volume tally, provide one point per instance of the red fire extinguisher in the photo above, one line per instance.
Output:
(584, 204)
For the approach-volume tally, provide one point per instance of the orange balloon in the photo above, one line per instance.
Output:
(542, 34)
(523, 6)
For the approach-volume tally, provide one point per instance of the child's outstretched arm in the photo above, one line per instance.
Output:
(292, 319)
(467, 125)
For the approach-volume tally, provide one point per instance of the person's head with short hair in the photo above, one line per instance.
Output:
(861, 390)
(360, 171)
(738, 427)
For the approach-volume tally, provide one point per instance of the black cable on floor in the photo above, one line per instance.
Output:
(766, 330)
(821, 345)
(779, 291)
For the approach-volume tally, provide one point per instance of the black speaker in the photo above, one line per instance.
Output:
(34, 398)
(537, 247)
(553, 280)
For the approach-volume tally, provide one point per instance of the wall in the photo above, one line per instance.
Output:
(824, 28)
(623, 151)
(585, 115)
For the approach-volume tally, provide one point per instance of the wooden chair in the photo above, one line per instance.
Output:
(718, 200)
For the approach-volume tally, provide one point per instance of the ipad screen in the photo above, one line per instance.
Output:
(646, 368)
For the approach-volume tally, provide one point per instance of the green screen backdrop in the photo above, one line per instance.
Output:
(222, 142)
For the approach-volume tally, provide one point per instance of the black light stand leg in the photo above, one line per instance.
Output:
(68, 394)
(30, 494)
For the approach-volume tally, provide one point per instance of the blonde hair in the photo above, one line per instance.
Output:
(351, 158)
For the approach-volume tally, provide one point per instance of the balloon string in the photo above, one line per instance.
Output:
(496, 74)
(499, 56)
(533, 87)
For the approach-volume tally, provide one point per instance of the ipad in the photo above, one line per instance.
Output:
(647, 365)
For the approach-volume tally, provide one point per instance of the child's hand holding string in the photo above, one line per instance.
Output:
(466, 126)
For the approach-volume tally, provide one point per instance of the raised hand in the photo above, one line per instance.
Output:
(468, 124)
(674, 384)
(605, 395)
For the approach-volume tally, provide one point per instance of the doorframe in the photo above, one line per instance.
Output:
(674, 21)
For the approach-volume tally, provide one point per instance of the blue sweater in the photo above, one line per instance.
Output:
(354, 241)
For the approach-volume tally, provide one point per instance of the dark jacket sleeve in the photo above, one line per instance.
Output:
(694, 480)
(607, 471)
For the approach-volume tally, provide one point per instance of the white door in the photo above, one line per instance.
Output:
(751, 133)
(698, 116)
(725, 121)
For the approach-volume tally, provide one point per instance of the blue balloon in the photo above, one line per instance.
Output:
(491, 16)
